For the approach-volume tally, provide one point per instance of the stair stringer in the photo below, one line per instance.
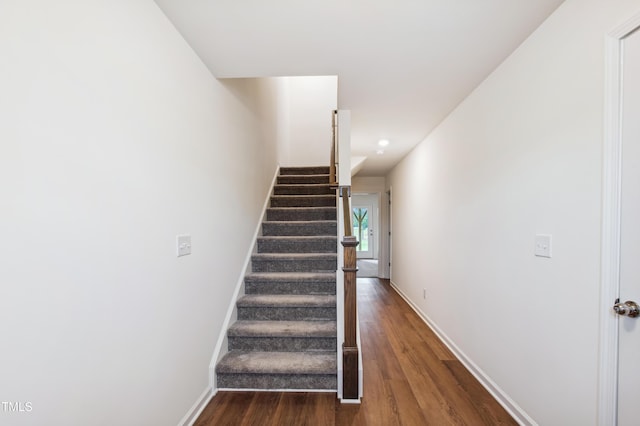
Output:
(304, 362)
(222, 346)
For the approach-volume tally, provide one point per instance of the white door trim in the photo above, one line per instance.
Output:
(612, 177)
(389, 235)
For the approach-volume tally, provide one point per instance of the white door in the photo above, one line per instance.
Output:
(629, 327)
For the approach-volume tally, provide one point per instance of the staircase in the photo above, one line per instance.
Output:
(285, 334)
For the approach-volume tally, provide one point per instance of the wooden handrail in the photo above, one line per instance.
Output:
(345, 194)
(334, 146)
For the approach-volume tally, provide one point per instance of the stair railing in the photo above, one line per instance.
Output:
(333, 179)
(351, 364)
(350, 352)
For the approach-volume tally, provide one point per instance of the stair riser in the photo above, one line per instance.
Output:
(281, 344)
(268, 287)
(304, 171)
(294, 265)
(304, 179)
(309, 201)
(286, 313)
(303, 190)
(295, 246)
(291, 214)
(277, 381)
(274, 229)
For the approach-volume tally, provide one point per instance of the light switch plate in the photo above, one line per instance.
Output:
(184, 245)
(543, 245)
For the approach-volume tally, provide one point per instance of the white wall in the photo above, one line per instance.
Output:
(521, 155)
(368, 184)
(305, 135)
(114, 138)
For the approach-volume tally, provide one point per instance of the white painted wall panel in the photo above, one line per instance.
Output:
(306, 130)
(521, 155)
(114, 138)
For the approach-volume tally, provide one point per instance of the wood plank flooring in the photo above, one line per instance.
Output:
(410, 378)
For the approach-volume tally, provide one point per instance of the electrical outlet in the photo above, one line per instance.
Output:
(183, 245)
(543, 245)
(424, 293)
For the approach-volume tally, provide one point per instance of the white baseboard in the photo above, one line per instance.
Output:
(503, 399)
(197, 408)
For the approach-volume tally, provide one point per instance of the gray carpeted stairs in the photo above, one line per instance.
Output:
(285, 335)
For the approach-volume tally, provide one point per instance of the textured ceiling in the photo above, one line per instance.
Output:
(402, 66)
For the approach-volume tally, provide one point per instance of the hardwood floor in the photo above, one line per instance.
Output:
(410, 378)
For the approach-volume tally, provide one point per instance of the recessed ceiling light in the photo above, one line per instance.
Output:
(380, 151)
(383, 142)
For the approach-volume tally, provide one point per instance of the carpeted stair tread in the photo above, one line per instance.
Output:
(291, 276)
(287, 300)
(290, 283)
(328, 210)
(301, 179)
(292, 363)
(311, 170)
(309, 329)
(302, 185)
(303, 200)
(297, 214)
(302, 228)
(304, 222)
(294, 256)
(297, 244)
(304, 196)
(299, 237)
(304, 189)
(294, 262)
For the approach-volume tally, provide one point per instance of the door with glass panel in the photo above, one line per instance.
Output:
(362, 221)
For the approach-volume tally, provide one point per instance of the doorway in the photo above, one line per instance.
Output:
(363, 230)
(620, 333)
(365, 219)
